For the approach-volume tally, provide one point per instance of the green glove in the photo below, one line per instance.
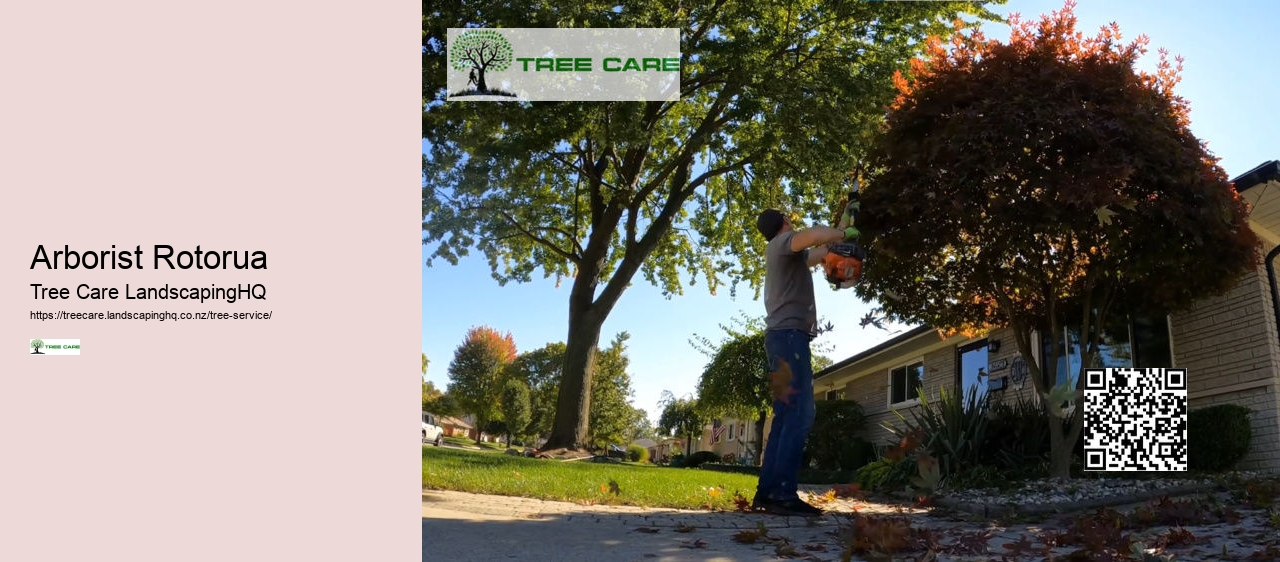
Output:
(851, 232)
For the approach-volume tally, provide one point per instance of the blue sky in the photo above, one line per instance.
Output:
(1229, 77)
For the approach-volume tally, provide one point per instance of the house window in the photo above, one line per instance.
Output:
(835, 394)
(905, 382)
(731, 433)
(971, 369)
(1128, 340)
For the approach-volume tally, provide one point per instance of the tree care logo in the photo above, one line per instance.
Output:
(477, 52)
(563, 64)
(54, 347)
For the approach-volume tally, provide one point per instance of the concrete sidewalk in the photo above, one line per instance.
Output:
(460, 527)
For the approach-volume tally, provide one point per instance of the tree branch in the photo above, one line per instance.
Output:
(745, 161)
(574, 258)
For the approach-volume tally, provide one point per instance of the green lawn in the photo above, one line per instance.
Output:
(583, 482)
(468, 442)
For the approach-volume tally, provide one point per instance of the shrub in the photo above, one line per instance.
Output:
(1017, 435)
(1217, 437)
(836, 423)
(886, 474)
(856, 454)
(734, 468)
(677, 460)
(636, 453)
(697, 459)
(954, 428)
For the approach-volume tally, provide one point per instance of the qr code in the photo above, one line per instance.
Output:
(1135, 420)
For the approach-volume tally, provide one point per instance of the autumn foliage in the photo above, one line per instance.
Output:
(475, 374)
(1017, 180)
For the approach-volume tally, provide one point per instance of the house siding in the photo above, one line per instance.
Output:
(1229, 347)
(1228, 344)
(1265, 425)
(872, 393)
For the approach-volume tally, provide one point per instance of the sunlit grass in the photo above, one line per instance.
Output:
(582, 482)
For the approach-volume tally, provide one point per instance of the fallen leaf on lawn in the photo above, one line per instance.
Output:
(613, 487)
(740, 502)
(647, 529)
(682, 528)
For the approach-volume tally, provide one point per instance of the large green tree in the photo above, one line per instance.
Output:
(540, 371)
(612, 415)
(514, 405)
(681, 417)
(429, 394)
(735, 383)
(642, 428)
(476, 373)
(778, 98)
(1042, 181)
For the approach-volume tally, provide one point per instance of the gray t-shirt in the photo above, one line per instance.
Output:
(788, 287)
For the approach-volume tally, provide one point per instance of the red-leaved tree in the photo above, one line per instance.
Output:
(1028, 183)
(476, 373)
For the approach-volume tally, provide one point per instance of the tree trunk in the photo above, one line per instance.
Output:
(480, 83)
(573, 406)
(688, 447)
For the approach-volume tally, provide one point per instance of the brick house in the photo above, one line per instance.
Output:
(1229, 345)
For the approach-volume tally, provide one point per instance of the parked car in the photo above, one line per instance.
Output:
(431, 431)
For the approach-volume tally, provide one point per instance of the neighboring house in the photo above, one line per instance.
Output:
(649, 445)
(666, 448)
(728, 437)
(454, 427)
(1229, 345)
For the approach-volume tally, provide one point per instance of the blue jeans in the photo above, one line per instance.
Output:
(784, 451)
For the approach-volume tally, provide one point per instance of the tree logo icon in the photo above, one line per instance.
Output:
(477, 52)
(36, 346)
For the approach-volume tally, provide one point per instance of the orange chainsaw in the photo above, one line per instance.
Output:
(843, 262)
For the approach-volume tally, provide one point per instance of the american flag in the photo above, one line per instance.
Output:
(717, 430)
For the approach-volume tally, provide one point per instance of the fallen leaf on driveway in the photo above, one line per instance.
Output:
(685, 528)
(647, 529)
(695, 544)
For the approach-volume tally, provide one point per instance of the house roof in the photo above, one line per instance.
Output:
(1255, 187)
(901, 338)
(1265, 172)
(446, 420)
(646, 443)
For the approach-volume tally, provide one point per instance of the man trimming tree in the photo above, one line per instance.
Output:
(791, 324)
